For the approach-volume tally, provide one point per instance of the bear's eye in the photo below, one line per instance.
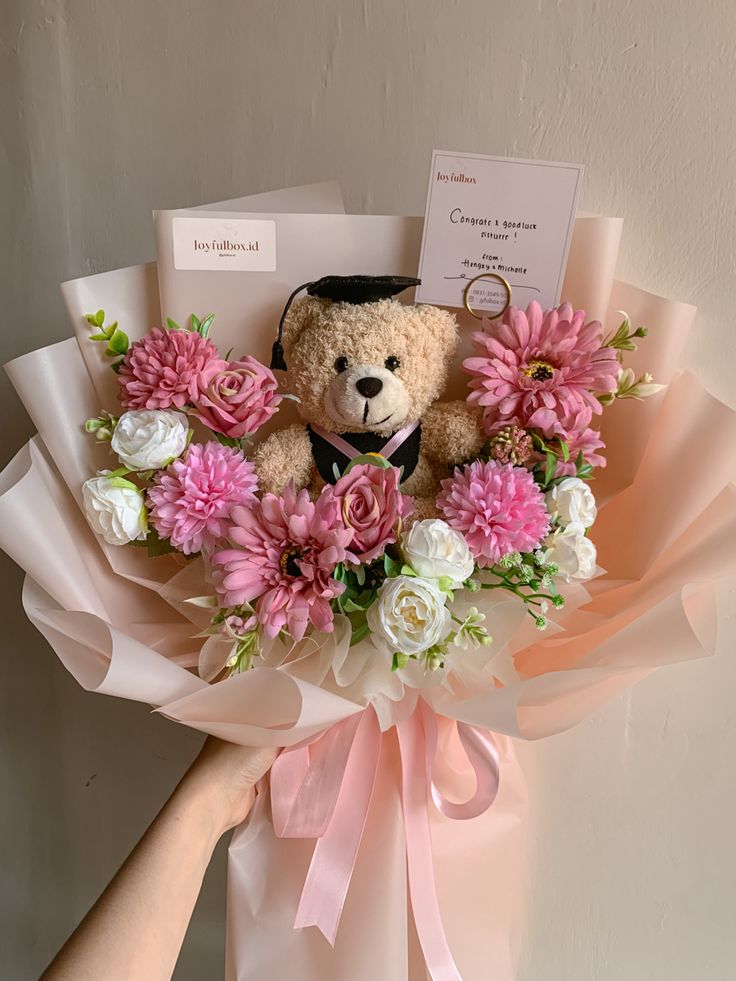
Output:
(392, 363)
(341, 365)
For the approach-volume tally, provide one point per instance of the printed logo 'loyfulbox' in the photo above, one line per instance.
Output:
(227, 244)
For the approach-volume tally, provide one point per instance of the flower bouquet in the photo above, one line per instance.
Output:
(391, 647)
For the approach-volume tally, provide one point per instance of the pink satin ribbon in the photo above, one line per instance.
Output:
(348, 450)
(322, 789)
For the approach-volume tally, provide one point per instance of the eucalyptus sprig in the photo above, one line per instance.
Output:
(530, 577)
(115, 339)
(624, 338)
(246, 649)
(102, 426)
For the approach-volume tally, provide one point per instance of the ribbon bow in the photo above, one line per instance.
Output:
(322, 789)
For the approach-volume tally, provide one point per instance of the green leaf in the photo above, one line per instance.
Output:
(118, 343)
(551, 466)
(122, 483)
(359, 633)
(229, 354)
(391, 566)
(360, 575)
(100, 318)
(564, 447)
(98, 337)
(172, 324)
(158, 546)
(228, 440)
(204, 327)
(399, 661)
(195, 324)
(350, 606)
(406, 570)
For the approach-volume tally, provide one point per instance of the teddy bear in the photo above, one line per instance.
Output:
(367, 371)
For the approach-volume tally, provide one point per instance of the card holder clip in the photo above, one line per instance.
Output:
(489, 316)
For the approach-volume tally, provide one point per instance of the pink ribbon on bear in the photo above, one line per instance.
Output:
(322, 789)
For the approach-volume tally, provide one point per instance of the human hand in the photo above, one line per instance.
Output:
(222, 780)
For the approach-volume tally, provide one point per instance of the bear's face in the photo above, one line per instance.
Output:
(370, 367)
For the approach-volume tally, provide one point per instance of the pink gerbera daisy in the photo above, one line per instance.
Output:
(541, 369)
(497, 507)
(159, 369)
(284, 554)
(193, 499)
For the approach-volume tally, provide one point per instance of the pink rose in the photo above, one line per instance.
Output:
(372, 506)
(234, 398)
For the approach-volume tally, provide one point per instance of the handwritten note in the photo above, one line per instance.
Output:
(496, 215)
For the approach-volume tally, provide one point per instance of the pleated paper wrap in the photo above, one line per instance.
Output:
(666, 531)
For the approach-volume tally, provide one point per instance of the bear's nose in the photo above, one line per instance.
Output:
(369, 386)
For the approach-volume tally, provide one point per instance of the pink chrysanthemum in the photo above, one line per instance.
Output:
(541, 370)
(193, 499)
(497, 507)
(285, 551)
(159, 369)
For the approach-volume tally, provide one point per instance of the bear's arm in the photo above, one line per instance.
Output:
(285, 455)
(451, 432)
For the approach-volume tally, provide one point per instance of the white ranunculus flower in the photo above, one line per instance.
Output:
(148, 439)
(433, 549)
(409, 615)
(115, 509)
(572, 553)
(572, 502)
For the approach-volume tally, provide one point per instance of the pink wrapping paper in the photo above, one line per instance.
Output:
(119, 623)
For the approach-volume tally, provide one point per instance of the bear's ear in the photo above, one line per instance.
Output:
(442, 327)
(300, 316)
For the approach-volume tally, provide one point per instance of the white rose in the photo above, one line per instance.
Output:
(115, 508)
(433, 549)
(572, 553)
(572, 502)
(409, 615)
(148, 439)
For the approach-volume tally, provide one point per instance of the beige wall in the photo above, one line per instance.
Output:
(109, 109)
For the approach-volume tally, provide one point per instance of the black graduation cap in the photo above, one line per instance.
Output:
(343, 289)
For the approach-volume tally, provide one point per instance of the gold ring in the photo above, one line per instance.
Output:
(490, 316)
